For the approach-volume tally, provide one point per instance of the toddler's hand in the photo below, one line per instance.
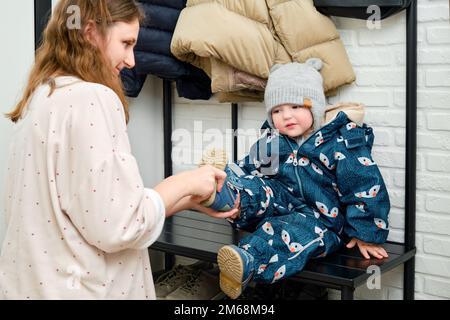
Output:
(368, 248)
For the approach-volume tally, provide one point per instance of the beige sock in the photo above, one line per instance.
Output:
(218, 159)
(214, 157)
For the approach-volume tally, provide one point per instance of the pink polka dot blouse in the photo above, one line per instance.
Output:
(79, 220)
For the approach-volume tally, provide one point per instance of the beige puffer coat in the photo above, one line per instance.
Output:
(236, 42)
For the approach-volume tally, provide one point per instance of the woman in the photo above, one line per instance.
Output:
(79, 220)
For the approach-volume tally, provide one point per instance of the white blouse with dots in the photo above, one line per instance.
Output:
(78, 218)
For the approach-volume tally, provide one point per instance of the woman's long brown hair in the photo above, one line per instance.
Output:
(66, 51)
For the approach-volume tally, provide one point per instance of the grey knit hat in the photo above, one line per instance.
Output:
(293, 83)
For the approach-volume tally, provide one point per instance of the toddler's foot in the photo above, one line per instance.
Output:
(214, 157)
(236, 270)
(223, 201)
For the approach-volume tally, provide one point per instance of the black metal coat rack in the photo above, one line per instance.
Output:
(388, 7)
(356, 8)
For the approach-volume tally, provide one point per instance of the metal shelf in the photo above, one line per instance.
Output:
(359, 3)
(357, 9)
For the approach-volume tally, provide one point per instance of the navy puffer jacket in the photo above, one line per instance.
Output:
(153, 56)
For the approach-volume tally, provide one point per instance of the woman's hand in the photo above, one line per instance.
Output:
(197, 185)
(202, 182)
(368, 248)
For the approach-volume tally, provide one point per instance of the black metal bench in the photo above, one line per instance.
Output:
(197, 236)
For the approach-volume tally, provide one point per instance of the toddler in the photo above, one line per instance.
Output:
(306, 187)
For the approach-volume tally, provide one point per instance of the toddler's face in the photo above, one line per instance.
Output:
(292, 120)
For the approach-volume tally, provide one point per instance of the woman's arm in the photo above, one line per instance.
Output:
(174, 191)
(184, 204)
(188, 203)
(187, 189)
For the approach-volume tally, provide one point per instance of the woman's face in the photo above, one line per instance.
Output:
(119, 45)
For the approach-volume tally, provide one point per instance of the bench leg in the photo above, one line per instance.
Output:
(347, 293)
(169, 261)
(408, 280)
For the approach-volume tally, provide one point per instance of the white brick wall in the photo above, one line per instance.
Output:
(378, 57)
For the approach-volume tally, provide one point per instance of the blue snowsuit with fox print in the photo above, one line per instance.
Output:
(303, 202)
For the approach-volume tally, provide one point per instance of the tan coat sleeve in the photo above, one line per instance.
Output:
(306, 33)
(223, 31)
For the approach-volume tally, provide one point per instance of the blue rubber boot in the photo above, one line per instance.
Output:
(236, 270)
(223, 200)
